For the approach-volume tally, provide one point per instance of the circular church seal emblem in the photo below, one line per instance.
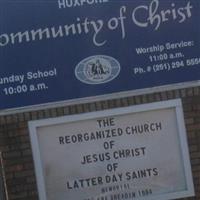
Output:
(97, 69)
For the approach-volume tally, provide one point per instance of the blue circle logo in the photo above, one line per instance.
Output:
(97, 69)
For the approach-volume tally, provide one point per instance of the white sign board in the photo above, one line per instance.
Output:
(137, 152)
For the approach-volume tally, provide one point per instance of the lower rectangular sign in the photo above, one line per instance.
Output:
(138, 152)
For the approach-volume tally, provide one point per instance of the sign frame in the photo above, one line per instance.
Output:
(176, 104)
(125, 94)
